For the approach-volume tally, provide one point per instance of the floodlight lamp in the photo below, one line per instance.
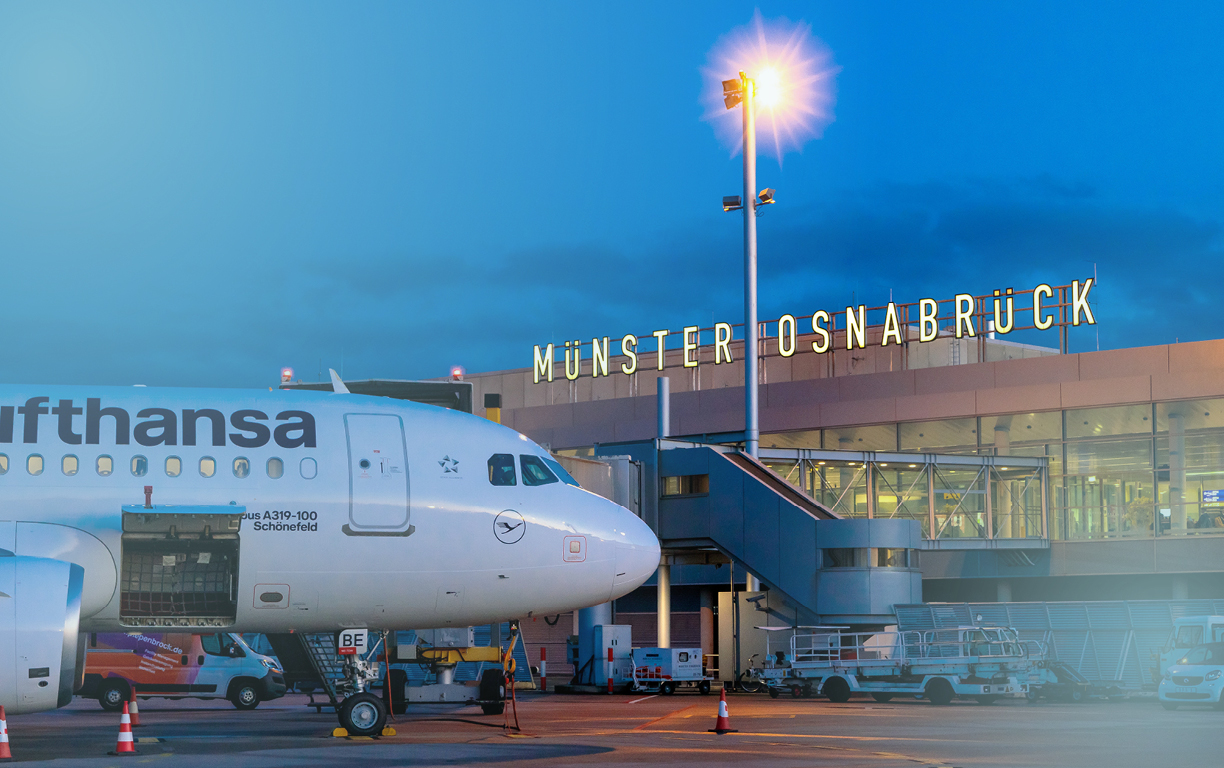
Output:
(733, 92)
(732, 203)
(766, 196)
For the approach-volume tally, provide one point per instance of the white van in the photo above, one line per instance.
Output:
(177, 665)
(1188, 632)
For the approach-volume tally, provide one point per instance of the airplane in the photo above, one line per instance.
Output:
(128, 509)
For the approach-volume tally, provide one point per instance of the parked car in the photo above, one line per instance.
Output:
(1059, 681)
(1196, 678)
(178, 665)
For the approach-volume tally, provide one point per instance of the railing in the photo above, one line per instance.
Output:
(980, 644)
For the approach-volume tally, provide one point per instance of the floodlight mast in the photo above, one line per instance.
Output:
(742, 92)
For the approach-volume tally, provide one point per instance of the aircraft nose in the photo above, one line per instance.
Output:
(637, 554)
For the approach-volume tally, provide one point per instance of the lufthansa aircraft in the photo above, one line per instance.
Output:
(127, 509)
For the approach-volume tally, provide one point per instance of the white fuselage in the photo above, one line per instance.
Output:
(406, 539)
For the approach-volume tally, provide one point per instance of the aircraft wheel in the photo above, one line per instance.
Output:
(493, 707)
(363, 714)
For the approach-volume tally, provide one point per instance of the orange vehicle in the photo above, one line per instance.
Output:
(178, 665)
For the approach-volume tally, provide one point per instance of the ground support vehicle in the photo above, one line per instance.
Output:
(1188, 632)
(981, 663)
(1059, 681)
(1196, 678)
(178, 665)
(665, 670)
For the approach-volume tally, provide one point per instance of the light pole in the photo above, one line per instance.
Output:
(742, 91)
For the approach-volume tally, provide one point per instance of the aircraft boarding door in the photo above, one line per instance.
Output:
(378, 476)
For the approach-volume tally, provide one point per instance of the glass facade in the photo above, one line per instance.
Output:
(1141, 471)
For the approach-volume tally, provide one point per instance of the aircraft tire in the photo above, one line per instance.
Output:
(493, 707)
(363, 714)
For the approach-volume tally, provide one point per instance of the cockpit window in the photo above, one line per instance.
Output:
(501, 469)
(559, 470)
(535, 471)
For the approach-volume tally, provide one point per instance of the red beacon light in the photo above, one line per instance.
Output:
(286, 375)
(457, 373)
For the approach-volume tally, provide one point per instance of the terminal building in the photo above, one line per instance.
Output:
(990, 471)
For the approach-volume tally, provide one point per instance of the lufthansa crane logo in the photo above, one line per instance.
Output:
(509, 526)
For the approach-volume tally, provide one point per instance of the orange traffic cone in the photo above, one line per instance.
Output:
(125, 745)
(5, 754)
(723, 723)
(134, 710)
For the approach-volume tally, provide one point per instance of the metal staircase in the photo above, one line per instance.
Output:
(321, 650)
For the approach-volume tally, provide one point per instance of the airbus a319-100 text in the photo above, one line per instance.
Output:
(279, 511)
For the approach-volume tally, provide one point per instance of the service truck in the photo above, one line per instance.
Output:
(663, 670)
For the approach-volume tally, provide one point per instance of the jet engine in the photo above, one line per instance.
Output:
(40, 612)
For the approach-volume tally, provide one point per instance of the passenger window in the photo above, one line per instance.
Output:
(208, 466)
(174, 466)
(309, 468)
(535, 471)
(70, 464)
(34, 464)
(501, 469)
(140, 466)
(242, 467)
(105, 465)
(276, 468)
(3, 463)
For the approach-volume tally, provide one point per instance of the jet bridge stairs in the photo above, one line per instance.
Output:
(712, 503)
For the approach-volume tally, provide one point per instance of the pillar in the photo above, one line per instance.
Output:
(588, 618)
(1009, 521)
(1003, 591)
(663, 576)
(707, 620)
(1177, 474)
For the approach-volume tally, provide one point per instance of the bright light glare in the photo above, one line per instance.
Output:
(769, 87)
(795, 90)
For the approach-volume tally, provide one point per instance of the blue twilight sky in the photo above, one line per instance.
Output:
(200, 193)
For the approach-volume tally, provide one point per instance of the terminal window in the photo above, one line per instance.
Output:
(685, 485)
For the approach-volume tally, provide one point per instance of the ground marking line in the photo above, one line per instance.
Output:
(644, 698)
(814, 736)
(657, 719)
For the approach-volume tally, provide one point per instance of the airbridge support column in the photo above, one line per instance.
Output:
(588, 618)
(664, 608)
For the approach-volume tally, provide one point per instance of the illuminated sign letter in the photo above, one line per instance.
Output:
(1040, 318)
(1009, 305)
(928, 327)
(821, 346)
(575, 352)
(1079, 303)
(892, 326)
(786, 335)
(628, 345)
(661, 336)
(543, 363)
(690, 332)
(856, 327)
(599, 357)
(722, 343)
(964, 315)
